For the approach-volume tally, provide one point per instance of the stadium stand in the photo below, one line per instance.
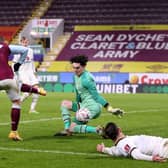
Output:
(13, 15)
(86, 12)
(108, 12)
(14, 12)
(105, 12)
(17, 13)
(83, 12)
(52, 55)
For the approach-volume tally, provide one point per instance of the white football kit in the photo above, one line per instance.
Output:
(27, 69)
(141, 147)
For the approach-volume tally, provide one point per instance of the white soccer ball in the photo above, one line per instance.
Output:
(83, 115)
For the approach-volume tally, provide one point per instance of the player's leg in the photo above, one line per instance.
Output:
(29, 82)
(84, 128)
(32, 89)
(66, 106)
(13, 94)
(81, 127)
(15, 117)
(32, 79)
(24, 96)
(35, 98)
(83, 115)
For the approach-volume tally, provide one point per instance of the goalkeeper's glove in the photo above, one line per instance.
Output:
(116, 111)
(16, 66)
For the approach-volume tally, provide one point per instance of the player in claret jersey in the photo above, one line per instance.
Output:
(10, 85)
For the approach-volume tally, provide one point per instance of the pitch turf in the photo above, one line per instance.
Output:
(146, 114)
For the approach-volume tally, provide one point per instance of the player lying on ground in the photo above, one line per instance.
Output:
(140, 147)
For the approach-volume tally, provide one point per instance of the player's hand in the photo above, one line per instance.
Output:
(16, 66)
(100, 147)
(157, 158)
(116, 111)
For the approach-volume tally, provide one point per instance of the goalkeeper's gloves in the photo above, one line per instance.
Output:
(16, 66)
(116, 111)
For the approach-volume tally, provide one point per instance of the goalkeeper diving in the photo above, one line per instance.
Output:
(88, 104)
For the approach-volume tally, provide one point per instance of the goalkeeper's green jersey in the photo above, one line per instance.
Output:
(86, 91)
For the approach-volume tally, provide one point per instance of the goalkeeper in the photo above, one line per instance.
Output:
(88, 102)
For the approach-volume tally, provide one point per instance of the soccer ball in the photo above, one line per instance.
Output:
(83, 115)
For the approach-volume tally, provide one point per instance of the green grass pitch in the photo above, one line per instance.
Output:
(146, 114)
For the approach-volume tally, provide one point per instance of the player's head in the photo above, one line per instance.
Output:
(78, 63)
(111, 131)
(24, 41)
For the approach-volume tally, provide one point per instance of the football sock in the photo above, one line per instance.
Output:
(28, 88)
(84, 129)
(15, 116)
(24, 96)
(34, 101)
(66, 117)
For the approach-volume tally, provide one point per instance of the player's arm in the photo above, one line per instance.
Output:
(116, 111)
(78, 98)
(136, 154)
(112, 151)
(17, 49)
(90, 84)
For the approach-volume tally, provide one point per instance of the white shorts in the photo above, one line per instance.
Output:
(28, 78)
(11, 88)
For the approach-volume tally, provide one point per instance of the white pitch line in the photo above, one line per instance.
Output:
(31, 121)
(59, 118)
(50, 151)
(143, 111)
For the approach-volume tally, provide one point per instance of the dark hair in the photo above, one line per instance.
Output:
(23, 38)
(82, 59)
(111, 130)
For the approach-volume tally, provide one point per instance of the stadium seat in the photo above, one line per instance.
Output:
(15, 12)
(110, 12)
